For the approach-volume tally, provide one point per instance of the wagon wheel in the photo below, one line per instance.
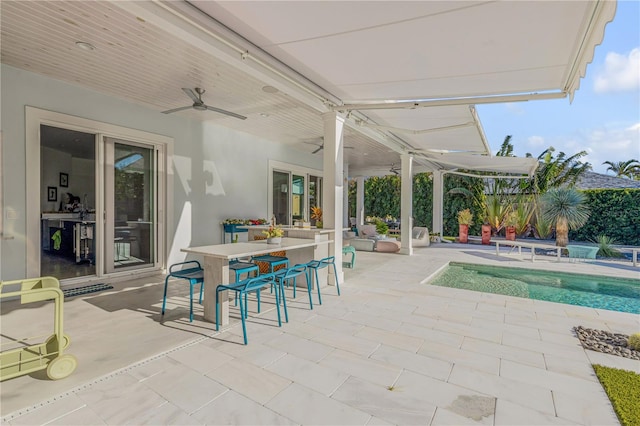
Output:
(61, 367)
(66, 340)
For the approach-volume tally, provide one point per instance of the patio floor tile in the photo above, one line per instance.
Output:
(511, 414)
(305, 406)
(397, 339)
(235, 409)
(583, 411)
(444, 417)
(477, 361)
(523, 356)
(396, 406)
(377, 372)
(431, 367)
(314, 376)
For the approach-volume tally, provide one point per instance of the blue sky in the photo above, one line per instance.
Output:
(604, 117)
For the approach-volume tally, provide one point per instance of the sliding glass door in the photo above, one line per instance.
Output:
(130, 195)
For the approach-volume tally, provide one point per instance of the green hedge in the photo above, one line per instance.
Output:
(614, 213)
(623, 389)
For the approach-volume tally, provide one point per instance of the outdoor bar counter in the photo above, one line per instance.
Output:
(216, 265)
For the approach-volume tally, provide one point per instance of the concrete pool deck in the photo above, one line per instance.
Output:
(390, 350)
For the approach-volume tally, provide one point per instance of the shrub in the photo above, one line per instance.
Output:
(465, 217)
(623, 389)
(381, 227)
(605, 249)
(634, 341)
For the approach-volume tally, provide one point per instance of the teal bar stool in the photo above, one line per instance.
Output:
(190, 271)
(319, 264)
(284, 276)
(245, 287)
(240, 268)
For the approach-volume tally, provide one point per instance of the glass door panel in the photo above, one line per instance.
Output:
(281, 197)
(130, 219)
(315, 193)
(297, 197)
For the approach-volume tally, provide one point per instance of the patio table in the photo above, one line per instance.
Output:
(216, 266)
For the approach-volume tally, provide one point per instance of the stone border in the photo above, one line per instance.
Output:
(606, 342)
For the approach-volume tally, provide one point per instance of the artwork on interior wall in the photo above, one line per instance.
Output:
(64, 180)
(52, 193)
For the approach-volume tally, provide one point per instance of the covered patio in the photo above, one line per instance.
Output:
(392, 349)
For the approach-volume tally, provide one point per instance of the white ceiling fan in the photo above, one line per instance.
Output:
(320, 146)
(199, 104)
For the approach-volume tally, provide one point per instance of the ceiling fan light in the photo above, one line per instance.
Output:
(269, 89)
(85, 46)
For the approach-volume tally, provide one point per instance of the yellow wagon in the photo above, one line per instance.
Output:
(49, 354)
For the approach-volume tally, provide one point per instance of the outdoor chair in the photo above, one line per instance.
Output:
(352, 250)
(240, 268)
(319, 264)
(190, 271)
(284, 276)
(242, 289)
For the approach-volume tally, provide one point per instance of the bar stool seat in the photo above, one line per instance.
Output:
(192, 272)
(240, 268)
(319, 264)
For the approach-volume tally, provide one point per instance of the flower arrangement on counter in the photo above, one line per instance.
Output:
(273, 231)
(316, 214)
(244, 222)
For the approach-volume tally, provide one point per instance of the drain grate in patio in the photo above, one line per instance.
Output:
(85, 289)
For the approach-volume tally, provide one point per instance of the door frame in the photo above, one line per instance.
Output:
(292, 169)
(34, 118)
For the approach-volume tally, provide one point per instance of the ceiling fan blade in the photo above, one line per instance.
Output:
(192, 95)
(229, 113)
(169, 111)
(318, 149)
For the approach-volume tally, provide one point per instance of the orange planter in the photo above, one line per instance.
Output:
(510, 233)
(486, 234)
(463, 233)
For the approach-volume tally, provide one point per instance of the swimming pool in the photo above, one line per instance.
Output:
(615, 294)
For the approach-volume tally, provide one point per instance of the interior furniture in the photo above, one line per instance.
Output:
(320, 264)
(349, 250)
(192, 272)
(242, 289)
(420, 237)
(216, 266)
(232, 229)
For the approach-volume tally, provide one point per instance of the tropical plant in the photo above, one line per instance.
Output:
(634, 341)
(381, 227)
(316, 213)
(465, 217)
(555, 172)
(605, 246)
(626, 169)
(523, 211)
(567, 208)
(495, 210)
(542, 228)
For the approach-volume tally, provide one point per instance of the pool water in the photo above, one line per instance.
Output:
(615, 294)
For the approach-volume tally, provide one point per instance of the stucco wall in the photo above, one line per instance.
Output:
(216, 172)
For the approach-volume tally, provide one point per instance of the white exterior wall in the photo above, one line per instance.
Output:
(216, 172)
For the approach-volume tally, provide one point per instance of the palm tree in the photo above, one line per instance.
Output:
(628, 169)
(567, 208)
(554, 172)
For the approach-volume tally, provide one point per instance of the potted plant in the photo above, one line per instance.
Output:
(381, 227)
(465, 218)
(274, 235)
(316, 214)
(511, 221)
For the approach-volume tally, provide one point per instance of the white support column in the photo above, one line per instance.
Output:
(345, 199)
(333, 188)
(360, 200)
(438, 190)
(406, 204)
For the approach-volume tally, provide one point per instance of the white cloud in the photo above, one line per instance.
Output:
(621, 73)
(602, 144)
(514, 108)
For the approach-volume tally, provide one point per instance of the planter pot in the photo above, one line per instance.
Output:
(319, 224)
(486, 234)
(274, 240)
(463, 233)
(510, 233)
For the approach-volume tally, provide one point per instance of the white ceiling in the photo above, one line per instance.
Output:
(318, 54)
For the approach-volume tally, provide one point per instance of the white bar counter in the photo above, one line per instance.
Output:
(216, 265)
